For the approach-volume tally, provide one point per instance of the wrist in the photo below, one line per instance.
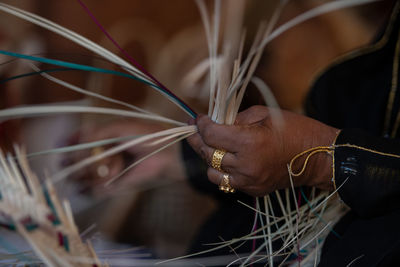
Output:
(314, 165)
(322, 165)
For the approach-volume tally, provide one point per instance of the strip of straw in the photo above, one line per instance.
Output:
(315, 12)
(132, 60)
(112, 151)
(46, 110)
(84, 42)
(86, 92)
(150, 154)
(82, 146)
(182, 105)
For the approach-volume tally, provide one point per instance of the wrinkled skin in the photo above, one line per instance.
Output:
(258, 151)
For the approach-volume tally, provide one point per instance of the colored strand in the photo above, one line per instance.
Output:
(316, 214)
(133, 61)
(86, 43)
(100, 70)
(33, 73)
(89, 93)
(46, 110)
(91, 57)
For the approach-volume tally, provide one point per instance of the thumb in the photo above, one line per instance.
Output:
(252, 115)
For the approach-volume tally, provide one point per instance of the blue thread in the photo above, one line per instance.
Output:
(33, 73)
(94, 69)
(56, 220)
(319, 217)
(66, 243)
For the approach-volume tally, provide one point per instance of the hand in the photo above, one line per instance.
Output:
(259, 151)
(166, 164)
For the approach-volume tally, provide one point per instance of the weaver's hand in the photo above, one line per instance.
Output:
(258, 152)
(166, 164)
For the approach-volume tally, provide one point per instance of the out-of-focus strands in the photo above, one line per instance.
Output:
(45, 74)
(37, 215)
(76, 66)
(45, 110)
(132, 60)
(86, 43)
(29, 74)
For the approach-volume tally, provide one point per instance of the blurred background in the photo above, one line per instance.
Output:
(163, 213)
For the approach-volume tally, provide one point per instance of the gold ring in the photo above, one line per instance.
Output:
(217, 157)
(225, 185)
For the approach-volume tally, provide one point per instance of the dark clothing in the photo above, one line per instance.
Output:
(358, 93)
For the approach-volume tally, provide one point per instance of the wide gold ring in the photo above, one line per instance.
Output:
(217, 157)
(225, 185)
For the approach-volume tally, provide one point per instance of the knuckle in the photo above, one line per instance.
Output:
(211, 176)
(250, 172)
(203, 154)
(239, 183)
(208, 134)
(248, 143)
(194, 141)
(202, 121)
(242, 181)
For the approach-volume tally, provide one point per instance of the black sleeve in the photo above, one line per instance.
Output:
(367, 171)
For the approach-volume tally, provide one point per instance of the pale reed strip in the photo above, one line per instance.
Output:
(32, 180)
(315, 12)
(269, 98)
(151, 154)
(84, 42)
(207, 27)
(112, 151)
(16, 174)
(44, 110)
(266, 200)
(73, 36)
(88, 93)
(36, 248)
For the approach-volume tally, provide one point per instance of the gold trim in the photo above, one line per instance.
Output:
(392, 93)
(362, 50)
(369, 150)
